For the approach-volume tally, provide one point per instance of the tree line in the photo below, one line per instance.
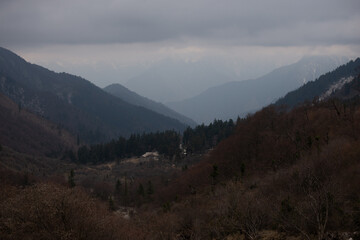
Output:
(204, 137)
(167, 143)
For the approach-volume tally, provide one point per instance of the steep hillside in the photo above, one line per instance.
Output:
(131, 97)
(294, 172)
(326, 86)
(348, 90)
(28, 133)
(75, 103)
(238, 98)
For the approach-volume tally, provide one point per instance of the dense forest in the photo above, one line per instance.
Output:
(295, 172)
(280, 174)
(193, 140)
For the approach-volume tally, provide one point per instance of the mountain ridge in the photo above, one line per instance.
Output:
(132, 97)
(173, 80)
(76, 103)
(236, 98)
(324, 87)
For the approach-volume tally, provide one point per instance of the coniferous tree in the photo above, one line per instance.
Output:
(111, 204)
(150, 189)
(118, 186)
(141, 190)
(214, 174)
(125, 188)
(242, 169)
(71, 181)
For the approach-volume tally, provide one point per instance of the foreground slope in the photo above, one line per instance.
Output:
(295, 173)
(281, 175)
(75, 103)
(238, 98)
(131, 97)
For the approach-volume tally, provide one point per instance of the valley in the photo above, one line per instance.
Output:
(90, 165)
(179, 120)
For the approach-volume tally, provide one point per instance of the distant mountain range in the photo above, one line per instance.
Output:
(75, 103)
(175, 80)
(238, 98)
(131, 97)
(343, 83)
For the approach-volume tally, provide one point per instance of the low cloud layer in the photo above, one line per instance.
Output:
(229, 22)
(113, 40)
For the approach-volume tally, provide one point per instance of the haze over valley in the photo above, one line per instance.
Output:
(180, 120)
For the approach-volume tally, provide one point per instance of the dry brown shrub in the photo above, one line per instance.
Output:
(47, 211)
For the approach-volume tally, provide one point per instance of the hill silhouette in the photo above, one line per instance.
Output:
(75, 103)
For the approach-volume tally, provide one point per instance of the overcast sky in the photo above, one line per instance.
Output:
(129, 35)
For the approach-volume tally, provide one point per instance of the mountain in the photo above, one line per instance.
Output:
(131, 97)
(343, 82)
(28, 133)
(175, 80)
(350, 90)
(236, 98)
(75, 103)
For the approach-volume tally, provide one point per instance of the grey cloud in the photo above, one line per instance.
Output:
(279, 22)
